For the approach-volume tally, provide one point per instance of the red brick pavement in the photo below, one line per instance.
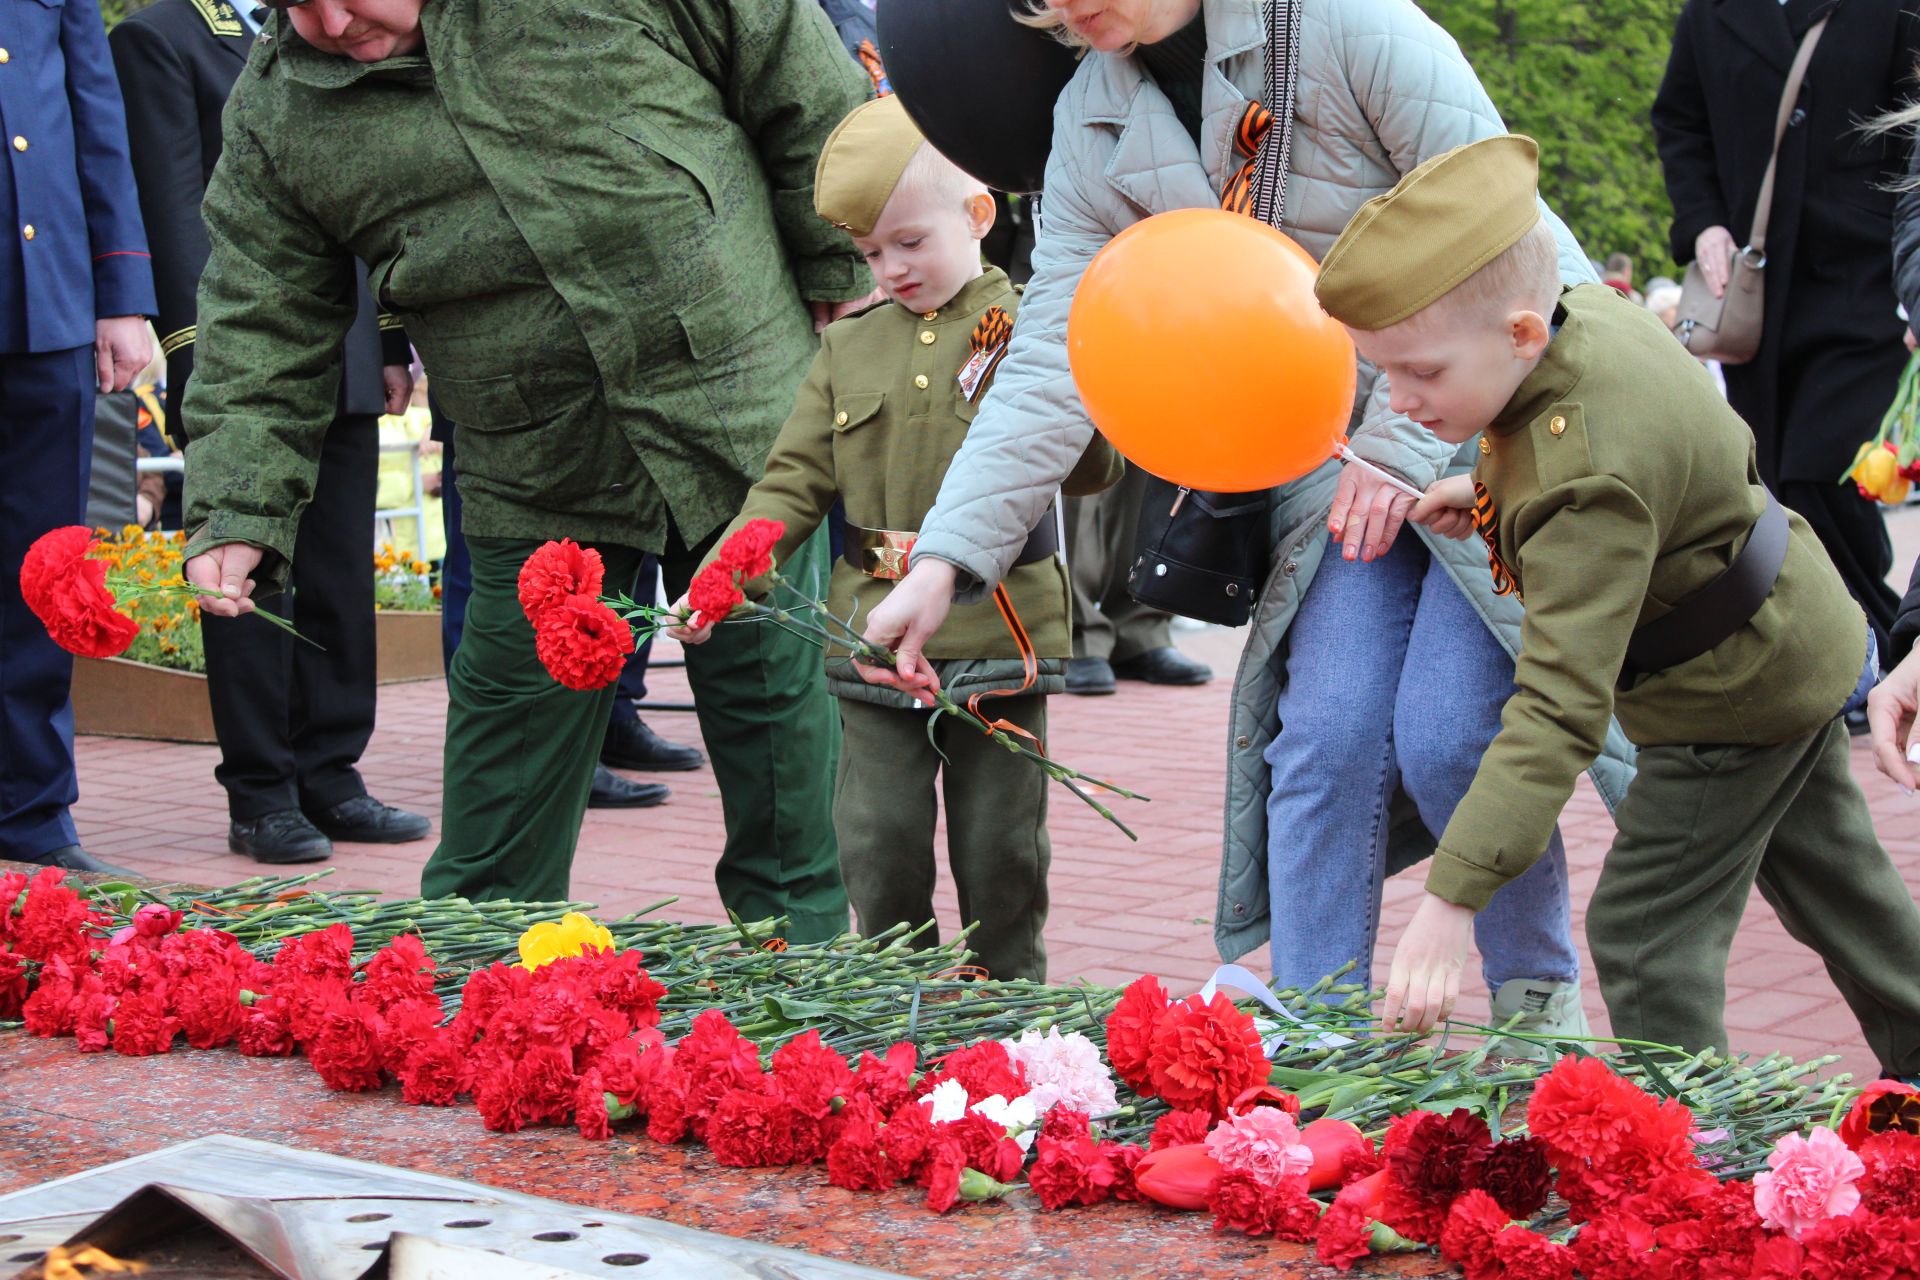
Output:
(1119, 908)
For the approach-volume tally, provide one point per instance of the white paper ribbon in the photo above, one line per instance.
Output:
(1242, 979)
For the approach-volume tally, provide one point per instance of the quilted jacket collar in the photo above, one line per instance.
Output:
(1152, 163)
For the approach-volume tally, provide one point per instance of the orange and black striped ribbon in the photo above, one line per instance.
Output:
(1486, 521)
(1029, 663)
(1255, 121)
(991, 333)
(869, 59)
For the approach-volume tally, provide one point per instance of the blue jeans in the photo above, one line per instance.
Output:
(1392, 678)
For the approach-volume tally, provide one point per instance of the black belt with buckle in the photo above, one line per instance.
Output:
(883, 553)
(1708, 616)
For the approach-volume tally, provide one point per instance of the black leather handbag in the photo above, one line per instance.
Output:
(1201, 555)
(1205, 555)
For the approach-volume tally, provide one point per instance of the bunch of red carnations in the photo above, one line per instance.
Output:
(134, 990)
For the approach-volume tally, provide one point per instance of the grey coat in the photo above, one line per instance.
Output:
(1381, 88)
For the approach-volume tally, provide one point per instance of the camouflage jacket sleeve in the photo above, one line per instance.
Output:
(1573, 642)
(798, 487)
(787, 83)
(276, 301)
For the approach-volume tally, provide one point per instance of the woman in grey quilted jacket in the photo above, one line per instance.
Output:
(1387, 661)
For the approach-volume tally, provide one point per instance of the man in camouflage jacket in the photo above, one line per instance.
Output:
(597, 227)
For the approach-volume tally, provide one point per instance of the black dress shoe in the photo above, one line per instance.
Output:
(74, 858)
(1165, 665)
(1089, 675)
(364, 820)
(629, 744)
(281, 837)
(611, 791)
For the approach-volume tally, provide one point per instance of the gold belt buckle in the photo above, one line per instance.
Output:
(886, 551)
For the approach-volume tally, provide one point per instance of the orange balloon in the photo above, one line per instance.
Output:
(1202, 355)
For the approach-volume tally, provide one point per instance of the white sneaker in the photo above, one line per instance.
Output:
(1545, 1008)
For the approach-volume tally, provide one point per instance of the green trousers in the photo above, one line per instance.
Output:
(1698, 828)
(884, 808)
(521, 750)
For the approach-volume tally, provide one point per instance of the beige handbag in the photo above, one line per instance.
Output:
(1727, 328)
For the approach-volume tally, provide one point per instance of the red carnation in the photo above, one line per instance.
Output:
(68, 592)
(908, 1137)
(713, 592)
(1125, 1158)
(590, 1108)
(346, 1050)
(985, 1145)
(1514, 1172)
(1882, 1105)
(714, 1057)
(942, 1176)
(1527, 1255)
(983, 1069)
(1583, 1108)
(13, 984)
(810, 1076)
(1180, 1128)
(1616, 1247)
(207, 1001)
(1204, 1053)
(326, 952)
(582, 643)
(1345, 1235)
(1063, 1122)
(750, 550)
(1467, 1238)
(1891, 1183)
(1130, 1030)
(856, 1160)
(1238, 1202)
(262, 1035)
(1438, 1159)
(887, 1081)
(400, 971)
(141, 1023)
(1070, 1171)
(554, 572)
(667, 1119)
(437, 1072)
(543, 1085)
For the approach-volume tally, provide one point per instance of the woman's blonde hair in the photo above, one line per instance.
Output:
(1042, 16)
(1906, 122)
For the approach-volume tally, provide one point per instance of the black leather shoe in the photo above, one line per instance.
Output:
(630, 744)
(281, 837)
(611, 791)
(364, 820)
(1166, 665)
(1089, 676)
(74, 858)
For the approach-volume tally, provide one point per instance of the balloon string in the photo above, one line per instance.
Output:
(1346, 454)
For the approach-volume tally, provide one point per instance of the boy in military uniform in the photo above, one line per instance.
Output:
(880, 415)
(1618, 496)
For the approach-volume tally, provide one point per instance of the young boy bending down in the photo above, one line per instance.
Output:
(1617, 495)
(880, 416)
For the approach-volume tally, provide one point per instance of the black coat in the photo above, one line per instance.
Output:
(1830, 355)
(1907, 629)
(177, 61)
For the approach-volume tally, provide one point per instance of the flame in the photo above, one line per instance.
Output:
(84, 1263)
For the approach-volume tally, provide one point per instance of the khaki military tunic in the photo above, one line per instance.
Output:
(1616, 483)
(878, 420)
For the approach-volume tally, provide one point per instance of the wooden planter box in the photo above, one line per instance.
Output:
(121, 699)
(115, 698)
(409, 646)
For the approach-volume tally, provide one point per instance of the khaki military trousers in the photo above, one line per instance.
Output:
(521, 750)
(997, 848)
(1698, 828)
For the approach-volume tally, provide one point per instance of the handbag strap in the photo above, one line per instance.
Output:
(1282, 74)
(1757, 241)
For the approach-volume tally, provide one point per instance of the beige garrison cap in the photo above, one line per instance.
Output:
(1451, 216)
(861, 164)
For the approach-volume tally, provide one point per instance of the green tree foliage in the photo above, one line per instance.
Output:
(114, 10)
(1581, 77)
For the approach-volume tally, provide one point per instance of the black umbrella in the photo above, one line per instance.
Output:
(978, 84)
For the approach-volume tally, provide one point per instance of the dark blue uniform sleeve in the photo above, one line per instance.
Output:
(122, 274)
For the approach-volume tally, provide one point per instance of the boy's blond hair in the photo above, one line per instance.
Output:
(1525, 276)
(939, 180)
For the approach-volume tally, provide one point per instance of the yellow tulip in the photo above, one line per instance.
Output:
(1878, 471)
(552, 940)
(1896, 492)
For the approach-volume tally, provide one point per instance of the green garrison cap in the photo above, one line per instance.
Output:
(1451, 216)
(862, 162)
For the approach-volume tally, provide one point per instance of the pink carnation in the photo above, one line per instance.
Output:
(1063, 1070)
(1808, 1180)
(1264, 1143)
